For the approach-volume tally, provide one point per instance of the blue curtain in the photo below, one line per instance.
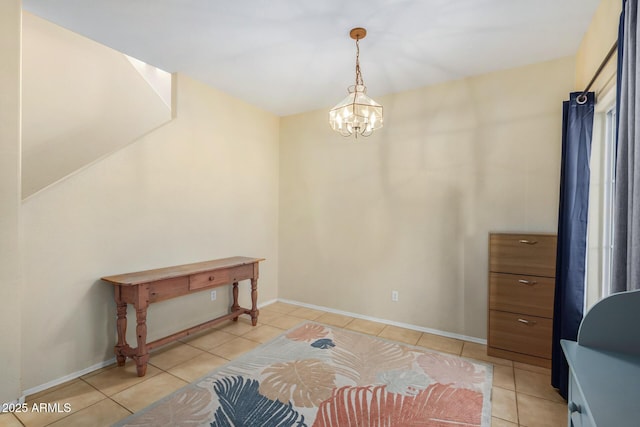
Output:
(577, 127)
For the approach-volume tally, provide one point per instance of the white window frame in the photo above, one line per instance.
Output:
(608, 199)
(601, 193)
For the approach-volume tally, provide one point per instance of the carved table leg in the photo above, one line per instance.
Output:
(142, 355)
(254, 301)
(121, 327)
(235, 305)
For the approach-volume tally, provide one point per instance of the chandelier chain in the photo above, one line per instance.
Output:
(359, 80)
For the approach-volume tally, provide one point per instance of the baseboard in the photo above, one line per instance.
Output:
(384, 321)
(66, 378)
(266, 303)
(11, 404)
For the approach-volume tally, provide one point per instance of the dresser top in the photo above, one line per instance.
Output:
(609, 382)
(154, 275)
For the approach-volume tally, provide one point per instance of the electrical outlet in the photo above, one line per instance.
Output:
(213, 295)
(394, 295)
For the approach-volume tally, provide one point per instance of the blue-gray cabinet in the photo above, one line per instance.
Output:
(604, 383)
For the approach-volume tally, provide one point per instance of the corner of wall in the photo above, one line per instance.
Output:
(598, 39)
(10, 253)
(174, 95)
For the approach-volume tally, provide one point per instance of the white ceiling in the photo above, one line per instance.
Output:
(290, 56)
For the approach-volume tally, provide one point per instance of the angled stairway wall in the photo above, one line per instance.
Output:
(81, 101)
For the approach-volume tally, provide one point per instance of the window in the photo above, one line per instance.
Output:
(601, 194)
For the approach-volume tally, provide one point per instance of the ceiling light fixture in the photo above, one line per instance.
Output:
(357, 114)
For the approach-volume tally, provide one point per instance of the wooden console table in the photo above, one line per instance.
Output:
(145, 287)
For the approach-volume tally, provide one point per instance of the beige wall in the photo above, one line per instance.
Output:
(410, 208)
(203, 186)
(10, 272)
(91, 98)
(599, 38)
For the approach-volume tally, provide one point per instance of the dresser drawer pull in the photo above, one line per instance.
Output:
(527, 322)
(527, 282)
(528, 242)
(574, 407)
(211, 278)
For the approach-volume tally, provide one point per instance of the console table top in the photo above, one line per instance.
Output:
(149, 276)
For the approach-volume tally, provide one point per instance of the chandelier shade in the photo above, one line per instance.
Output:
(357, 114)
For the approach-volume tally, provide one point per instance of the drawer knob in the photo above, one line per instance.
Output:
(527, 282)
(527, 322)
(211, 278)
(574, 407)
(527, 242)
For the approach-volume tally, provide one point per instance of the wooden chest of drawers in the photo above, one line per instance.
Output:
(521, 290)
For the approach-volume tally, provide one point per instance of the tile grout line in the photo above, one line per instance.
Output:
(541, 398)
(515, 389)
(17, 419)
(122, 406)
(86, 407)
(72, 413)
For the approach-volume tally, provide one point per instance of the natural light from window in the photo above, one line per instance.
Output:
(601, 199)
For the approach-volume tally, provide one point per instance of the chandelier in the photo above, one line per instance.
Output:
(357, 114)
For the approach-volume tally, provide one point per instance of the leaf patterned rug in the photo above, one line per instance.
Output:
(317, 375)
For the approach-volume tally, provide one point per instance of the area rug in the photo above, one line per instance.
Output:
(318, 375)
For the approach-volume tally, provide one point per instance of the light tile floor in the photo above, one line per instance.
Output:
(521, 394)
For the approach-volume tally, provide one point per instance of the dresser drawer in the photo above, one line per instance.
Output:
(531, 254)
(220, 277)
(576, 407)
(516, 293)
(520, 333)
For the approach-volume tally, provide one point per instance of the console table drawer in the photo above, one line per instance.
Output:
(515, 293)
(521, 333)
(220, 277)
(167, 289)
